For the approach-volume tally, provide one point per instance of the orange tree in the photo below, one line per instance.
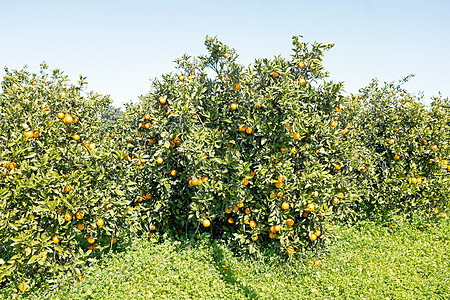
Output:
(243, 153)
(399, 152)
(63, 185)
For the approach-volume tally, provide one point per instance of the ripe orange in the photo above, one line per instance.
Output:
(333, 123)
(335, 201)
(312, 237)
(278, 184)
(204, 179)
(80, 278)
(79, 216)
(337, 167)
(281, 177)
(162, 100)
(55, 239)
(396, 156)
(147, 125)
(159, 160)
(68, 217)
(338, 109)
(277, 228)
(23, 286)
(227, 210)
(90, 240)
(302, 81)
(290, 250)
(206, 223)
(91, 146)
(414, 180)
(275, 74)
(100, 223)
(301, 65)
(12, 165)
(285, 206)
(273, 235)
(67, 188)
(147, 116)
(289, 222)
(237, 87)
(114, 240)
(445, 162)
(245, 181)
(252, 224)
(76, 137)
(433, 147)
(29, 134)
(258, 105)
(310, 207)
(305, 214)
(249, 130)
(254, 237)
(235, 208)
(296, 135)
(317, 233)
(173, 172)
(345, 131)
(247, 211)
(75, 119)
(152, 226)
(240, 204)
(341, 195)
(60, 115)
(242, 127)
(233, 106)
(80, 227)
(68, 119)
(230, 220)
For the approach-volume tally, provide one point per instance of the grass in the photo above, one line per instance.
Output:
(368, 261)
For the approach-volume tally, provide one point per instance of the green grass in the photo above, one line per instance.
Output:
(367, 261)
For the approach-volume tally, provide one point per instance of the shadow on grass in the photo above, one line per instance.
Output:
(228, 274)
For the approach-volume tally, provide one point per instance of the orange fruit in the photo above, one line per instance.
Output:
(281, 177)
(173, 172)
(147, 125)
(254, 237)
(301, 65)
(341, 195)
(285, 206)
(345, 131)
(80, 227)
(100, 223)
(310, 207)
(247, 211)
(29, 134)
(162, 100)
(305, 214)
(68, 217)
(147, 116)
(79, 216)
(33, 83)
(76, 137)
(67, 188)
(91, 146)
(337, 109)
(233, 106)
(237, 87)
(159, 160)
(204, 179)
(433, 147)
(55, 239)
(312, 237)
(227, 210)
(445, 162)
(225, 55)
(152, 226)
(396, 156)
(80, 278)
(245, 181)
(337, 167)
(240, 204)
(414, 180)
(12, 165)
(249, 130)
(258, 105)
(273, 235)
(335, 201)
(302, 81)
(23, 286)
(75, 119)
(230, 220)
(289, 222)
(278, 184)
(296, 135)
(290, 250)
(68, 119)
(242, 127)
(35, 134)
(252, 224)
(206, 223)
(90, 240)
(60, 115)
(235, 208)
(317, 233)
(333, 123)
(276, 228)
(275, 74)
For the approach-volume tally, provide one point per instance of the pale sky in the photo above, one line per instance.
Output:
(121, 45)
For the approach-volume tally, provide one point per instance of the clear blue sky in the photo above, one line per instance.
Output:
(120, 45)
